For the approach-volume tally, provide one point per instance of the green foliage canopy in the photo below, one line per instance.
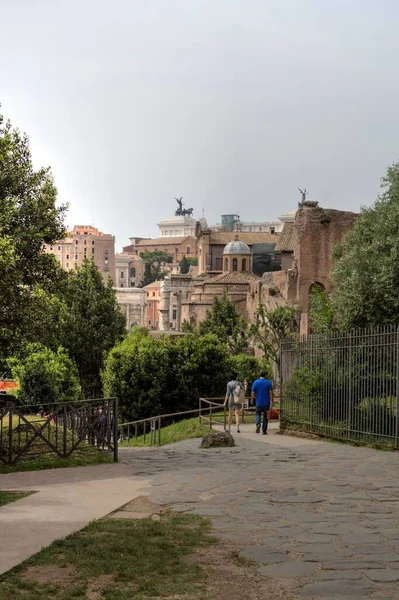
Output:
(366, 272)
(92, 324)
(45, 376)
(28, 217)
(153, 265)
(154, 376)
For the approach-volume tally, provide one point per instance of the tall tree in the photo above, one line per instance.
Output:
(92, 324)
(366, 272)
(270, 328)
(153, 265)
(224, 321)
(28, 217)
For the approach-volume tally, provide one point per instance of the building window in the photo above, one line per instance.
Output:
(272, 230)
(76, 257)
(60, 257)
(244, 264)
(68, 248)
(188, 251)
(132, 272)
(85, 242)
(67, 257)
(51, 247)
(235, 264)
(92, 251)
(122, 274)
(67, 265)
(59, 248)
(226, 264)
(174, 314)
(153, 294)
(92, 243)
(121, 284)
(76, 242)
(149, 321)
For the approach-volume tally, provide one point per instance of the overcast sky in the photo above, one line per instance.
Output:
(232, 104)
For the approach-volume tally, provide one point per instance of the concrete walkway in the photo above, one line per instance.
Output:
(66, 500)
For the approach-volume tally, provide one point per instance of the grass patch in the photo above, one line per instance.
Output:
(117, 559)
(7, 497)
(183, 430)
(82, 457)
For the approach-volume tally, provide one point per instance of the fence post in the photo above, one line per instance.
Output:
(116, 410)
(64, 433)
(210, 417)
(10, 416)
(199, 411)
(159, 431)
(397, 392)
(350, 395)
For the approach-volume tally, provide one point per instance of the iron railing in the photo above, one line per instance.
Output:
(62, 430)
(150, 429)
(343, 385)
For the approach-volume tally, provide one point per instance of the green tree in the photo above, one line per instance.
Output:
(270, 328)
(153, 265)
(92, 324)
(154, 376)
(45, 376)
(248, 368)
(28, 217)
(321, 313)
(184, 266)
(366, 272)
(224, 321)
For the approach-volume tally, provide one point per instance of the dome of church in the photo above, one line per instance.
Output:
(236, 247)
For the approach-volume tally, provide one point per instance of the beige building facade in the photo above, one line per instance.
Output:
(129, 270)
(86, 242)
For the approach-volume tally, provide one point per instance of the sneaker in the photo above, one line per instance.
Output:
(258, 429)
(238, 430)
(264, 432)
(228, 430)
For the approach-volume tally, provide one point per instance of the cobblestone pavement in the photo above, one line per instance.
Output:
(322, 519)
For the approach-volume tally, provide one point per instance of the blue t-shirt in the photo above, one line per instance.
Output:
(262, 389)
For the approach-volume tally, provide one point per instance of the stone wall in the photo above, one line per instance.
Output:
(315, 234)
(319, 231)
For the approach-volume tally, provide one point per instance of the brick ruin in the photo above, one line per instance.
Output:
(306, 247)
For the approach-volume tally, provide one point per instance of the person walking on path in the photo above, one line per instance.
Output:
(262, 394)
(231, 398)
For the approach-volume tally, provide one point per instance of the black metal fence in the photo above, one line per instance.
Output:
(61, 430)
(343, 385)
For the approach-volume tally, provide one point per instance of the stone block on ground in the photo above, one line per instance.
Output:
(221, 439)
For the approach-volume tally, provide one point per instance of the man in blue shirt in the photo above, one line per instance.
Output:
(262, 394)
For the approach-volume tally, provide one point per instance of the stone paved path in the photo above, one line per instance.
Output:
(320, 518)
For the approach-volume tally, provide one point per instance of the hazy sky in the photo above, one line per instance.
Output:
(232, 104)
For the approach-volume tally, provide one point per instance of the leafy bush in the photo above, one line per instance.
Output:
(248, 368)
(45, 376)
(157, 376)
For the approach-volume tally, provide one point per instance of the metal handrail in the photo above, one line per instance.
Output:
(155, 423)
